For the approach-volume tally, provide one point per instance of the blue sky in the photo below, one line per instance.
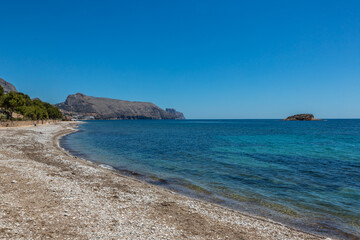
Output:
(208, 59)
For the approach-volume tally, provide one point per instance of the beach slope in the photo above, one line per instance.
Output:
(47, 193)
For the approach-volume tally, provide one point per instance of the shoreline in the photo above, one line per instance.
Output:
(251, 209)
(134, 209)
(133, 175)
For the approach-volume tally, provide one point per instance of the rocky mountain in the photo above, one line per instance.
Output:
(301, 117)
(8, 87)
(82, 106)
(178, 115)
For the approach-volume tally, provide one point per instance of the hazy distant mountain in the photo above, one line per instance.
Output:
(81, 106)
(8, 87)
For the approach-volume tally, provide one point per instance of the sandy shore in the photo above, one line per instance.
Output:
(47, 193)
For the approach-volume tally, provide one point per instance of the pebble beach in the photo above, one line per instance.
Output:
(46, 193)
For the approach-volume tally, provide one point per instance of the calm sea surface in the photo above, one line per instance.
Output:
(306, 174)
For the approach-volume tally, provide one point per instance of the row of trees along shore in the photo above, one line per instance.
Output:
(25, 108)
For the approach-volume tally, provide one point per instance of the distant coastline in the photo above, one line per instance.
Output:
(80, 106)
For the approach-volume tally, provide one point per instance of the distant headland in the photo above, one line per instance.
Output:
(80, 106)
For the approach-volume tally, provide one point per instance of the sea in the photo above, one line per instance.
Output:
(305, 174)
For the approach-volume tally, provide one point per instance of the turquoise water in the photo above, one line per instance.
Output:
(306, 174)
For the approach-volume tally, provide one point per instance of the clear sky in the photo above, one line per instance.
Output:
(208, 59)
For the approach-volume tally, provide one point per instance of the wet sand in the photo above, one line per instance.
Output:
(47, 193)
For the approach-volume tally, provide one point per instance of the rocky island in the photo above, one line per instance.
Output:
(80, 106)
(302, 117)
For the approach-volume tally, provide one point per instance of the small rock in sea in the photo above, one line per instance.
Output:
(301, 117)
(13, 181)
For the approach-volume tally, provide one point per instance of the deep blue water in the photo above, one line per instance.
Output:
(306, 174)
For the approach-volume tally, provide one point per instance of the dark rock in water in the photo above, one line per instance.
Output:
(178, 115)
(8, 87)
(81, 106)
(302, 117)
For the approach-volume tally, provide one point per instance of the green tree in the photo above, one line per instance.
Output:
(2, 92)
(40, 110)
(2, 115)
(30, 109)
(11, 101)
(53, 112)
(28, 101)
(29, 113)
(41, 113)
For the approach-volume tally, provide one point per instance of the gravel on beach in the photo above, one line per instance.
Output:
(45, 193)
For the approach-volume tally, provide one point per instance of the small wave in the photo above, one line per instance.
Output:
(106, 166)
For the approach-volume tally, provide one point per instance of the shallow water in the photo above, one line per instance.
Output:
(306, 174)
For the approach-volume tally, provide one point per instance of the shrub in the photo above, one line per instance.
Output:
(2, 92)
(30, 109)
